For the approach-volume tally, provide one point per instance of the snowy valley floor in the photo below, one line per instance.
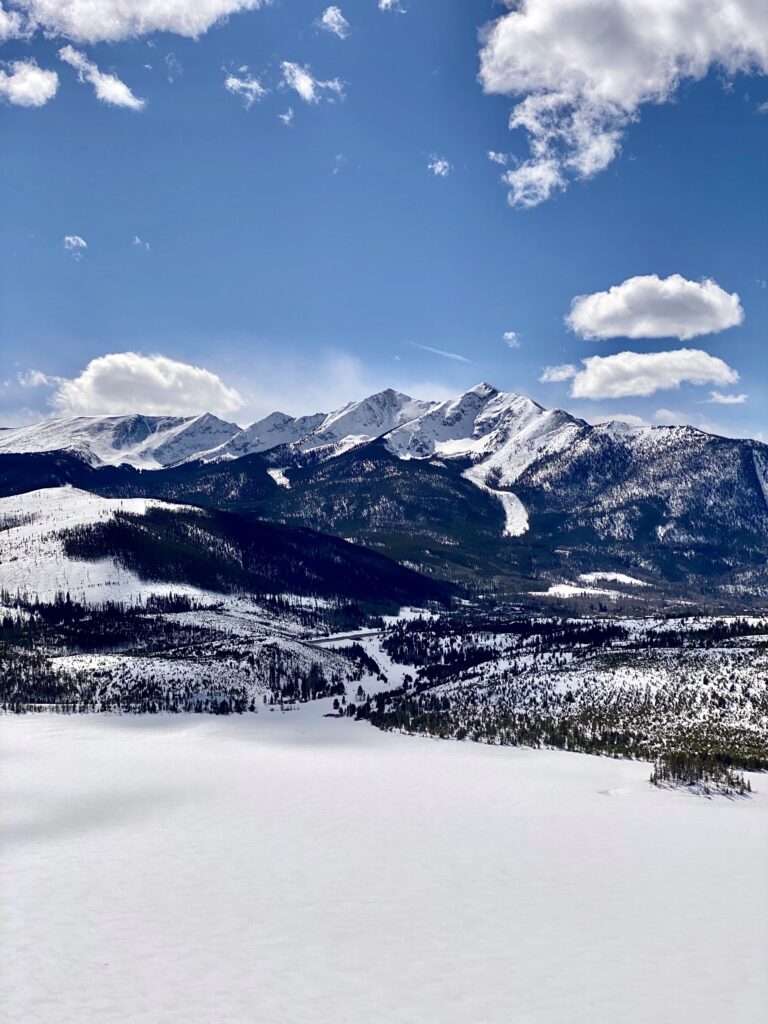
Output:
(287, 868)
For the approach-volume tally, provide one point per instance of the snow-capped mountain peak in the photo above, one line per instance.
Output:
(274, 430)
(474, 425)
(148, 442)
(358, 422)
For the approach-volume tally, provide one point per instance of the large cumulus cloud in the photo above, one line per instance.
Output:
(127, 382)
(580, 71)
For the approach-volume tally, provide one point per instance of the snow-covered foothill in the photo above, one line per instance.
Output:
(33, 563)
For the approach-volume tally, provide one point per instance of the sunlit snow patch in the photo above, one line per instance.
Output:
(612, 577)
(515, 516)
(571, 590)
(278, 475)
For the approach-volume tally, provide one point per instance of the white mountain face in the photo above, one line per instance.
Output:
(151, 442)
(271, 432)
(147, 442)
(359, 422)
(501, 432)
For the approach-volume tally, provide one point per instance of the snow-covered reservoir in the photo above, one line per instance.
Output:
(290, 868)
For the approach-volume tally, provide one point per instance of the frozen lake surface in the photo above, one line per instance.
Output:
(283, 869)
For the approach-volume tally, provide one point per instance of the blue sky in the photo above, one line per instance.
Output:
(309, 263)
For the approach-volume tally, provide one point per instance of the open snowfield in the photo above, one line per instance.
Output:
(283, 869)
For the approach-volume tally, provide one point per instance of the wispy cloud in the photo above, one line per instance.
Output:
(173, 68)
(299, 78)
(246, 86)
(441, 352)
(108, 88)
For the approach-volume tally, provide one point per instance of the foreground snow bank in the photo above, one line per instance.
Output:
(280, 868)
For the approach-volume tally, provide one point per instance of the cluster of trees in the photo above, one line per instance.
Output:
(460, 642)
(702, 771)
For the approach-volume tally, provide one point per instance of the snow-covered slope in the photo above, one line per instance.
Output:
(148, 442)
(33, 563)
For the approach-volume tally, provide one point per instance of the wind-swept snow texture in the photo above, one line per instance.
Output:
(274, 869)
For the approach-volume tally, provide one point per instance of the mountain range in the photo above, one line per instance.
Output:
(488, 489)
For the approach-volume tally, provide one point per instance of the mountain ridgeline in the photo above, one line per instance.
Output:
(489, 490)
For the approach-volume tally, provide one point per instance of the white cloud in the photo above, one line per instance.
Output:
(557, 374)
(635, 373)
(11, 24)
(440, 168)
(287, 117)
(140, 243)
(442, 352)
(127, 382)
(27, 85)
(332, 20)
(652, 307)
(310, 89)
(391, 5)
(92, 21)
(763, 108)
(109, 89)
(75, 246)
(718, 398)
(246, 86)
(512, 338)
(498, 158)
(581, 70)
